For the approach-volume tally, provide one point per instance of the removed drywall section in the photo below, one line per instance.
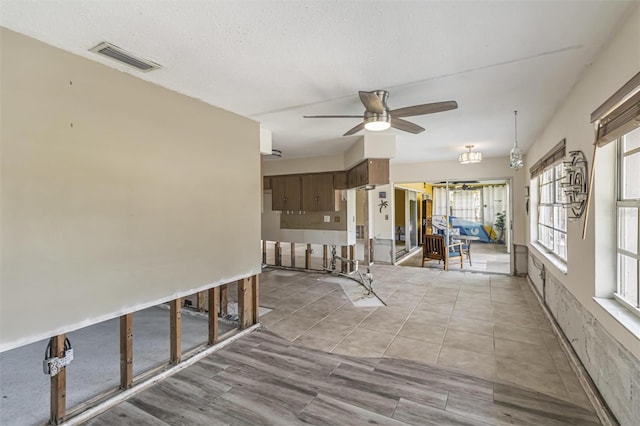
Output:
(614, 369)
(329, 221)
(113, 193)
(322, 233)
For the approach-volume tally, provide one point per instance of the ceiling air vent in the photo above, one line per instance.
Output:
(114, 52)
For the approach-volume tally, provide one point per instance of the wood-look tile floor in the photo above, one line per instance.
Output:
(450, 348)
(265, 379)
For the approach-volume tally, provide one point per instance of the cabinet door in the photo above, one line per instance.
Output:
(352, 181)
(340, 180)
(362, 173)
(317, 192)
(286, 192)
(378, 171)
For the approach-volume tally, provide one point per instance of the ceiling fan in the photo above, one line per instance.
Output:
(378, 116)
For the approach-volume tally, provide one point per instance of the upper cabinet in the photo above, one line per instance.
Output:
(369, 172)
(287, 192)
(317, 192)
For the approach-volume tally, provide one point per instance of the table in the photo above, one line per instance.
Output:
(466, 239)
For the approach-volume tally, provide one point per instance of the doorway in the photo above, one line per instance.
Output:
(477, 211)
(407, 203)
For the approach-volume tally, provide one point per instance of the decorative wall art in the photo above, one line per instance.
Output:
(576, 185)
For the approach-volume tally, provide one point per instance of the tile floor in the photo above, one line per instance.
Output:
(485, 257)
(488, 325)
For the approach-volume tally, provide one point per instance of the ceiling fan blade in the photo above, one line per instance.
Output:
(406, 126)
(371, 102)
(424, 109)
(355, 129)
(332, 116)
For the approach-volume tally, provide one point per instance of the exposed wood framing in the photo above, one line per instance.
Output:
(126, 351)
(245, 311)
(278, 254)
(255, 298)
(200, 299)
(343, 264)
(224, 299)
(58, 384)
(214, 307)
(175, 331)
(325, 257)
(293, 255)
(307, 257)
(264, 252)
(352, 256)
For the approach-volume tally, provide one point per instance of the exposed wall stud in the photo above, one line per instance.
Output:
(58, 384)
(325, 257)
(278, 254)
(175, 331)
(214, 307)
(200, 300)
(293, 255)
(255, 298)
(307, 257)
(343, 264)
(126, 351)
(352, 256)
(224, 300)
(244, 303)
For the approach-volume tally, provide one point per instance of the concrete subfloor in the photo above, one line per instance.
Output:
(24, 388)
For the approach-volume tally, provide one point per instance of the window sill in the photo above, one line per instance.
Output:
(550, 257)
(621, 314)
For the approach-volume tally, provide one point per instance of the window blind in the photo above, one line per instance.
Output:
(619, 114)
(556, 154)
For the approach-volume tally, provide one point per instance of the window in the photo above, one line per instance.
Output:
(628, 218)
(552, 216)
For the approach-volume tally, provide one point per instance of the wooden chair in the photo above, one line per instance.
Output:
(434, 248)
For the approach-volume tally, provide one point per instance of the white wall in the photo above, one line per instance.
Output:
(617, 62)
(114, 193)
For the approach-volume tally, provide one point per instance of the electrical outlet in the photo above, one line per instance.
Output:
(327, 218)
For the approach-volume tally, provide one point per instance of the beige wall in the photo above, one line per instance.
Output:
(111, 193)
(617, 62)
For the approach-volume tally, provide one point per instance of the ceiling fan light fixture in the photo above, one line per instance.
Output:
(470, 157)
(377, 122)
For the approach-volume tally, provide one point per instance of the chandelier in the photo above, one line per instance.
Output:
(470, 156)
(515, 157)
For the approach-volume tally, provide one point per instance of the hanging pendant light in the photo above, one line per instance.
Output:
(515, 157)
(470, 156)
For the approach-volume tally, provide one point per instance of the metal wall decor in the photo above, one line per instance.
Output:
(577, 184)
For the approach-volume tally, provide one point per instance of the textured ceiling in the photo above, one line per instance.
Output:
(274, 61)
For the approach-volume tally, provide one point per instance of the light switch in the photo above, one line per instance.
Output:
(327, 218)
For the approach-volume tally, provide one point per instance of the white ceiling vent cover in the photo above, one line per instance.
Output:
(122, 56)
